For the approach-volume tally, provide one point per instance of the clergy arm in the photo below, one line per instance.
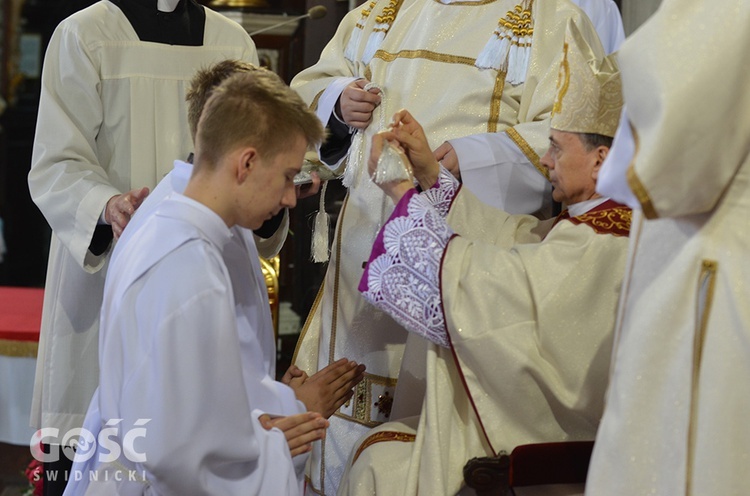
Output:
(529, 465)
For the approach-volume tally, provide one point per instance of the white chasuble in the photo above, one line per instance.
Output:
(676, 420)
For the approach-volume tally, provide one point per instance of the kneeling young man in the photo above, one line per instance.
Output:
(184, 394)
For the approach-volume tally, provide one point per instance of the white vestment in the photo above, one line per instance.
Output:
(176, 181)
(605, 15)
(527, 313)
(186, 342)
(676, 417)
(112, 117)
(426, 63)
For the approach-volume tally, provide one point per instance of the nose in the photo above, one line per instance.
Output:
(289, 199)
(547, 161)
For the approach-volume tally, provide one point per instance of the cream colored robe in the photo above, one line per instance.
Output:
(530, 323)
(112, 117)
(676, 420)
(426, 63)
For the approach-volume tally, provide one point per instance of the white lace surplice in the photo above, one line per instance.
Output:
(402, 276)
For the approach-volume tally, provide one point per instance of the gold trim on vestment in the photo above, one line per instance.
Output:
(314, 104)
(466, 4)
(705, 296)
(334, 319)
(641, 194)
(614, 221)
(423, 54)
(496, 102)
(363, 401)
(524, 146)
(636, 186)
(18, 349)
(309, 318)
(334, 312)
(563, 81)
(381, 437)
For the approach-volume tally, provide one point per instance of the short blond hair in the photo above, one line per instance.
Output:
(204, 82)
(254, 109)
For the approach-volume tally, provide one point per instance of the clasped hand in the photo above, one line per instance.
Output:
(120, 209)
(408, 138)
(329, 388)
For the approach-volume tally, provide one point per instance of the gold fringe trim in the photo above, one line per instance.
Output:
(382, 437)
(524, 146)
(20, 349)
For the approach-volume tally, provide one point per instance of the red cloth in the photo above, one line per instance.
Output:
(20, 313)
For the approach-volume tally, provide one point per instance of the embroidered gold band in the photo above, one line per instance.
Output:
(423, 54)
(524, 146)
(381, 437)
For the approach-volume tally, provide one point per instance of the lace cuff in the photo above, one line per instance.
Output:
(442, 193)
(402, 277)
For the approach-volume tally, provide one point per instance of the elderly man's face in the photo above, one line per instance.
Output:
(572, 168)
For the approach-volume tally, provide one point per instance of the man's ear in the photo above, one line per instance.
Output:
(246, 162)
(601, 154)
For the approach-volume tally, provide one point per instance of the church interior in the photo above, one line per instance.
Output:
(289, 37)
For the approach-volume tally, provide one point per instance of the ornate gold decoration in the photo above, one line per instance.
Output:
(384, 404)
(518, 21)
(589, 89)
(563, 81)
(271, 269)
(364, 409)
(615, 221)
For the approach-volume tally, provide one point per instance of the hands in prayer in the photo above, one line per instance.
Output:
(120, 208)
(300, 430)
(355, 105)
(329, 388)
